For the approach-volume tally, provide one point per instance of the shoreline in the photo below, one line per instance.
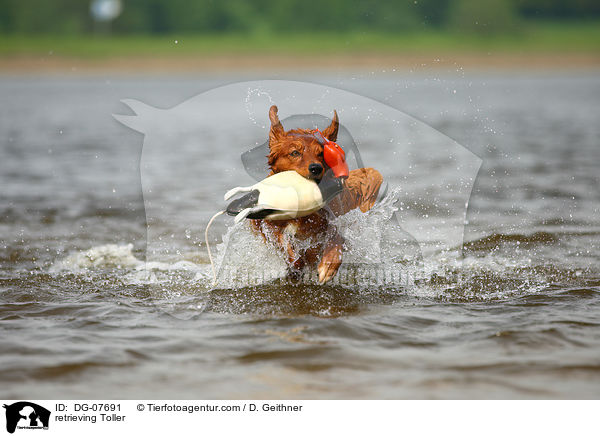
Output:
(283, 63)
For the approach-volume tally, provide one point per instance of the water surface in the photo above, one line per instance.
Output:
(82, 316)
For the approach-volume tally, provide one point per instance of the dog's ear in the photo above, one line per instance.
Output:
(331, 131)
(276, 131)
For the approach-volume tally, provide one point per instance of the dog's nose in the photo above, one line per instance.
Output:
(315, 169)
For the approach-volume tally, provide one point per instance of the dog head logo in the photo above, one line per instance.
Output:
(192, 151)
(26, 415)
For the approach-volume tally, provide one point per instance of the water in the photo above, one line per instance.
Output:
(82, 315)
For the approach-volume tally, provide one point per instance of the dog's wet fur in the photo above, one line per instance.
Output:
(300, 151)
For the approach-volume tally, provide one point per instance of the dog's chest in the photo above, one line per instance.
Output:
(291, 229)
(305, 227)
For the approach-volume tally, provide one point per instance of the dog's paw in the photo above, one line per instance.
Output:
(330, 263)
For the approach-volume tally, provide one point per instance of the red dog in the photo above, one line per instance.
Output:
(312, 238)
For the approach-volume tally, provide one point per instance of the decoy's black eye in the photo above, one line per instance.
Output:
(295, 153)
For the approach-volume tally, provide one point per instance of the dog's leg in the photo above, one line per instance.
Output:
(332, 258)
(295, 260)
(360, 191)
(294, 272)
(369, 188)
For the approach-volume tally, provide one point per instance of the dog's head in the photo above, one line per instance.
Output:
(298, 149)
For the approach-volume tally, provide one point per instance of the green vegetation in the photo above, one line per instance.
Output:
(539, 37)
(64, 28)
(288, 16)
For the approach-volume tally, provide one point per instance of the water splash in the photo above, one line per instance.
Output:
(100, 257)
(381, 262)
(253, 95)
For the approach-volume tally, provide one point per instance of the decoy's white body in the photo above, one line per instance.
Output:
(281, 196)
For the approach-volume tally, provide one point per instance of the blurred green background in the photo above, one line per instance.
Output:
(150, 27)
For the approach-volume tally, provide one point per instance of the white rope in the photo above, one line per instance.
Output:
(212, 265)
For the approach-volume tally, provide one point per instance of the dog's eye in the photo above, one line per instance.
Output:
(295, 153)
